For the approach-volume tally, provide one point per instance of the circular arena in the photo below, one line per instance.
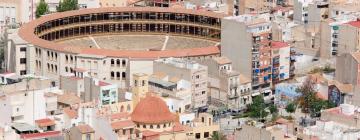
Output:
(107, 42)
(133, 32)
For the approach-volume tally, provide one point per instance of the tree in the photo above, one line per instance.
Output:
(41, 9)
(290, 108)
(308, 95)
(257, 108)
(273, 109)
(218, 136)
(67, 5)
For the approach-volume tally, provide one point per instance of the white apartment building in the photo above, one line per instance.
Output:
(24, 102)
(16, 53)
(188, 70)
(301, 11)
(15, 11)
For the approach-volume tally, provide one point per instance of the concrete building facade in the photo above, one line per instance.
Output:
(189, 70)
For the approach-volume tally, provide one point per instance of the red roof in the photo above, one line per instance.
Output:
(47, 134)
(71, 112)
(354, 23)
(152, 110)
(122, 124)
(278, 44)
(121, 115)
(101, 83)
(26, 32)
(45, 122)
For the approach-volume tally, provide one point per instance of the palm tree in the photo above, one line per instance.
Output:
(218, 136)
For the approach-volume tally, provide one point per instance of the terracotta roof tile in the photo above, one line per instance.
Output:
(278, 44)
(152, 110)
(354, 23)
(72, 113)
(84, 128)
(122, 124)
(45, 122)
(47, 134)
(120, 115)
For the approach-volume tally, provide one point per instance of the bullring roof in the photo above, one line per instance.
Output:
(26, 32)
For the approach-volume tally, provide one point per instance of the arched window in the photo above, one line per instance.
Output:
(112, 61)
(112, 74)
(158, 126)
(66, 69)
(122, 108)
(151, 126)
(118, 75)
(128, 108)
(123, 63)
(123, 75)
(118, 62)
(164, 126)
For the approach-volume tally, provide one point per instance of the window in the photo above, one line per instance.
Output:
(197, 136)
(22, 49)
(151, 126)
(144, 126)
(206, 134)
(22, 60)
(123, 63)
(158, 126)
(88, 136)
(123, 75)
(143, 82)
(23, 72)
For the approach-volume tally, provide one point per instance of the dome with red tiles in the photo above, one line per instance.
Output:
(152, 110)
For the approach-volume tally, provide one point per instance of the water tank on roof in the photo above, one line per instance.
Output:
(347, 109)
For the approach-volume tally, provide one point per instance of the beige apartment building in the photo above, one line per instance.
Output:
(226, 84)
(246, 41)
(349, 38)
(188, 70)
(348, 68)
(16, 11)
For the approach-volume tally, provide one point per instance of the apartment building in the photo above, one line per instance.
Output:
(15, 11)
(16, 53)
(188, 70)
(227, 85)
(301, 11)
(246, 41)
(24, 101)
(348, 68)
(90, 89)
(280, 53)
(349, 38)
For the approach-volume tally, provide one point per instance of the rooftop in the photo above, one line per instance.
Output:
(152, 110)
(122, 124)
(72, 113)
(45, 122)
(354, 23)
(69, 99)
(84, 128)
(222, 60)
